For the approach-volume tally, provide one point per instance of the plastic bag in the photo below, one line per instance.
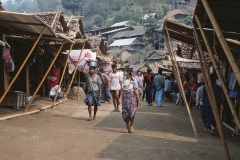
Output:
(10, 65)
(6, 53)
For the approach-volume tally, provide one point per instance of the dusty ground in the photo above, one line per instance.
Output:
(63, 133)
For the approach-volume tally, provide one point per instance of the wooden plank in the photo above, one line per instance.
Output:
(18, 115)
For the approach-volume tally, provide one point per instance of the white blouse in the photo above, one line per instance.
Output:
(129, 84)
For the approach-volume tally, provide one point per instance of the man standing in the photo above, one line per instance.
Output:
(167, 89)
(94, 91)
(203, 111)
(138, 77)
(148, 84)
(114, 81)
(106, 95)
(159, 83)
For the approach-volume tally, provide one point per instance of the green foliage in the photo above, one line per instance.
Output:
(173, 1)
(187, 20)
(98, 20)
(74, 5)
(46, 5)
(21, 5)
(88, 26)
(151, 24)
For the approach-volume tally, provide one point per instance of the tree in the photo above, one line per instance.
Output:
(74, 5)
(187, 20)
(46, 5)
(21, 5)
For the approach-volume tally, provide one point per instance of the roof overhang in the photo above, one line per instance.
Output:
(22, 24)
(184, 34)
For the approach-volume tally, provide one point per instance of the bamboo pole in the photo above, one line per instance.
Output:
(39, 85)
(74, 73)
(69, 20)
(222, 40)
(180, 82)
(78, 85)
(214, 106)
(55, 17)
(21, 67)
(63, 73)
(224, 87)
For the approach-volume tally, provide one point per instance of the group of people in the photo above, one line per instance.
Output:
(129, 90)
(115, 88)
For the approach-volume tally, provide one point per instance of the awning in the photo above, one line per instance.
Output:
(22, 24)
(184, 34)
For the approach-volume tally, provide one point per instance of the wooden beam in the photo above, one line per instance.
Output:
(179, 80)
(214, 103)
(222, 40)
(69, 20)
(54, 18)
(39, 85)
(21, 67)
(74, 73)
(63, 73)
(27, 81)
(224, 87)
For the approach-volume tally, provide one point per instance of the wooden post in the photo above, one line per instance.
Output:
(69, 20)
(54, 18)
(45, 75)
(5, 73)
(180, 81)
(74, 73)
(78, 86)
(224, 87)
(222, 40)
(63, 73)
(21, 67)
(214, 103)
(27, 81)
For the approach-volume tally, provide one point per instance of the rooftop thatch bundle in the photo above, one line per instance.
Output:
(75, 25)
(52, 19)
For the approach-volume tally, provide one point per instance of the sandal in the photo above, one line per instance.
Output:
(89, 119)
(94, 117)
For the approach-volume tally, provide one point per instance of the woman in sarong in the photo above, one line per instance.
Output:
(130, 99)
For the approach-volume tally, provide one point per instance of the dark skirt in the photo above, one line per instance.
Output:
(93, 97)
(129, 105)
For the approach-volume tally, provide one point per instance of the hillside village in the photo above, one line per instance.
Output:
(132, 45)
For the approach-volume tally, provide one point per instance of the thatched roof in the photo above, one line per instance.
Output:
(156, 55)
(75, 25)
(137, 67)
(52, 19)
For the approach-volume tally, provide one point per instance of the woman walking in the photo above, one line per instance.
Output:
(130, 99)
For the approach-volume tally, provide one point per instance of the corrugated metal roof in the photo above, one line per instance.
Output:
(23, 24)
(115, 30)
(122, 42)
(138, 31)
(126, 42)
(124, 23)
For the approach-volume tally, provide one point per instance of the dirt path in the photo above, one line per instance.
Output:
(63, 133)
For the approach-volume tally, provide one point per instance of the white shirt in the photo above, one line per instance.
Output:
(54, 90)
(115, 79)
(129, 84)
